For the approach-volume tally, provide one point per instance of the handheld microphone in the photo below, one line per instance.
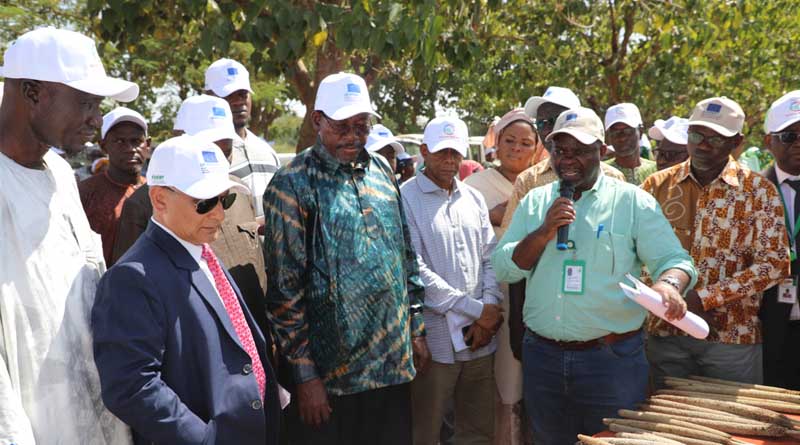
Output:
(567, 190)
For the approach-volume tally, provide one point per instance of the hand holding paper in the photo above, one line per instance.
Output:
(651, 300)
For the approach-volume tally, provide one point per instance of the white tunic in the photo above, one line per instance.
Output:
(50, 263)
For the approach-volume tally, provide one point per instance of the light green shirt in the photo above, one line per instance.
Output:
(638, 174)
(634, 232)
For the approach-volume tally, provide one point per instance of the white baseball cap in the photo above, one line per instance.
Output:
(446, 132)
(119, 115)
(343, 95)
(206, 117)
(556, 95)
(192, 165)
(675, 129)
(226, 76)
(403, 156)
(380, 137)
(581, 123)
(627, 113)
(720, 114)
(67, 57)
(783, 112)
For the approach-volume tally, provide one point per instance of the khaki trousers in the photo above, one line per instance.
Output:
(471, 386)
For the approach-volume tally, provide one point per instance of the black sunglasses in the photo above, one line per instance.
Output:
(541, 124)
(787, 137)
(714, 141)
(203, 206)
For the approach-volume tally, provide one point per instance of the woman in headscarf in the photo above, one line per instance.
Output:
(518, 147)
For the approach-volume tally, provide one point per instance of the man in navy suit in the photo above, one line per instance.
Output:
(780, 311)
(181, 359)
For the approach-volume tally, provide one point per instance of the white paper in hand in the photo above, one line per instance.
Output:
(643, 294)
(455, 323)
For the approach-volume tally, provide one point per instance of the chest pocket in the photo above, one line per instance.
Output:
(614, 253)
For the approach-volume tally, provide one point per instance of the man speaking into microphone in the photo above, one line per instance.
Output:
(583, 351)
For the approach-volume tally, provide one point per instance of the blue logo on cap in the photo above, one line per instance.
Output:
(353, 88)
(209, 156)
(218, 112)
(232, 71)
(571, 117)
(384, 134)
(714, 108)
(449, 129)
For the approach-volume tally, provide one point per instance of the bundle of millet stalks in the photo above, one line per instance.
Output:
(705, 411)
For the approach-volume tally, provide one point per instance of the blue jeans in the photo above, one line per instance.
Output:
(570, 392)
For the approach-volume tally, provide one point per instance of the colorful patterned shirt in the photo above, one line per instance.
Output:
(636, 175)
(735, 232)
(342, 271)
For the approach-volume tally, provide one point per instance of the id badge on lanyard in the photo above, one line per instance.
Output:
(790, 230)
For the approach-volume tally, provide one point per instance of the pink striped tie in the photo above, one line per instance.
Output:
(237, 316)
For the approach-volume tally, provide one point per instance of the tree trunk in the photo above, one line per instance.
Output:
(329, 61)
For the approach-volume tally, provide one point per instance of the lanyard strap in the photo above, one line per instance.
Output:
(793, 231)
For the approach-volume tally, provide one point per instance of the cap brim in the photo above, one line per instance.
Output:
(783, 125)
(443, 145)
(583, 138)
(532, 105)
(217, 134)
(350, 111)
(210, 189)
(655, 133)
(117, 89)
(628, 122)
(126, 118)
(675, 138)
(230, 88)
(377, 145)
(716, 127)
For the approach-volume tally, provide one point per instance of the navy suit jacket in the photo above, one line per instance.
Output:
(171, 365)
(775, 319)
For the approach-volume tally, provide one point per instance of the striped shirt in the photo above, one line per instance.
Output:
(255, 163)
(453, 239)
(342, 272)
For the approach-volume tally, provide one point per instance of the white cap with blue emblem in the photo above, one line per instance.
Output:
(192, 165)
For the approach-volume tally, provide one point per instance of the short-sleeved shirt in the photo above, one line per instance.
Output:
(735, 231)
(102, 200)
(636, 175)
(634, 232)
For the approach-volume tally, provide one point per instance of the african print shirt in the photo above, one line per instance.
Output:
(342, 272)
(735, 231)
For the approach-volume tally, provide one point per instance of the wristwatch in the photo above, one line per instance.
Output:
(672, 281)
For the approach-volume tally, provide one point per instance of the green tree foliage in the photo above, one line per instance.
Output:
(481, 57)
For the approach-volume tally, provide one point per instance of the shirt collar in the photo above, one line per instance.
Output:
(729, 175)
(783, 176)
(194, 250)
(331, 164)
(428, 186)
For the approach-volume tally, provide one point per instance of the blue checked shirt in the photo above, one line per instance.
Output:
(453, 239)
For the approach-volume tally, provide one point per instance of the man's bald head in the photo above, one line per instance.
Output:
(50, 114)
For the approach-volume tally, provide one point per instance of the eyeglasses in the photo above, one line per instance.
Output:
(203, 206)
(541, 124)
(627, 131)
(343, 129)
(696, 138)
(787, 137)
(669, 155)
(572, 153)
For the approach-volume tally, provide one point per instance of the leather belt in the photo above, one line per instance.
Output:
(609, 339)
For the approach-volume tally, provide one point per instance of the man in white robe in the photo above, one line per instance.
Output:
(50, 260)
